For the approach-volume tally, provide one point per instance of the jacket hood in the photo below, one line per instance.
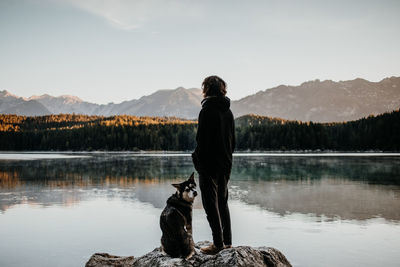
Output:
(220, 102)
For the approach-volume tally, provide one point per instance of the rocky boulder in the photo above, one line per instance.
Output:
(236, 256)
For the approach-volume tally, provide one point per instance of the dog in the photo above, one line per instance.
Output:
(176, 221)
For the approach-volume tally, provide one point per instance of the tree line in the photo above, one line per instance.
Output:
(380, 132)
(82, 132)
(123, 132)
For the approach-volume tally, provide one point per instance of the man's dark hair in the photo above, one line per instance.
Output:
(214, 86)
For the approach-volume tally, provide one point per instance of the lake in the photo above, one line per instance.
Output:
(57, 209)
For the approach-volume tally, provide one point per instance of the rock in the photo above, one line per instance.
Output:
(105, 259)
(236, 256)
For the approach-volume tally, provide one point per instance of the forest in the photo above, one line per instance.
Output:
(253, 133)
(380, 132)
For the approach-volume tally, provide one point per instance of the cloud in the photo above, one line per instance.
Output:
(133, 14)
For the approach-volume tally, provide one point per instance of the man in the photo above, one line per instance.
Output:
(212, 159)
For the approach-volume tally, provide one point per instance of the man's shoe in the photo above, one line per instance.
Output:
(211, 250)
(227, 246)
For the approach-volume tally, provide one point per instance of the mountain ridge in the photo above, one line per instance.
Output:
(324, 101)
(315, 100)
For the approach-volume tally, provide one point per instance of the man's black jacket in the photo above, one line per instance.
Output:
(215, 137)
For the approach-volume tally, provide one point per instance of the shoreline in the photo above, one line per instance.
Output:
(5, 155)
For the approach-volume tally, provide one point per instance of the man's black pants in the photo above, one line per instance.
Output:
(214, 195)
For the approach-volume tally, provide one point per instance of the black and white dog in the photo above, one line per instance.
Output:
(176, 221)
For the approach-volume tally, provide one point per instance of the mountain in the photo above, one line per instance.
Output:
(318, 101)
(180, 102)
(65, 104)
(12, 104)
(325, 101)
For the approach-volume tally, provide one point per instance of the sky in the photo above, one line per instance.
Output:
(114, 50)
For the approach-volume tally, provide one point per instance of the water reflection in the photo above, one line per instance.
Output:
(327, 197)
(345, 188)
(380, 170)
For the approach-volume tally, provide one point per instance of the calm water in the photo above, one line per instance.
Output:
(57, 210)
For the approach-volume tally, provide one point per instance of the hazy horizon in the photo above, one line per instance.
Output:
(110, 51)
(187, 88)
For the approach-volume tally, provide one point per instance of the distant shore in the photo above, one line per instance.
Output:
(32, 155)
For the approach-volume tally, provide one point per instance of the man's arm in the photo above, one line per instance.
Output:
(204, 140)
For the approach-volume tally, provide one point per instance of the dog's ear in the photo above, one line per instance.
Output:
(191, 178)
(177, 186)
